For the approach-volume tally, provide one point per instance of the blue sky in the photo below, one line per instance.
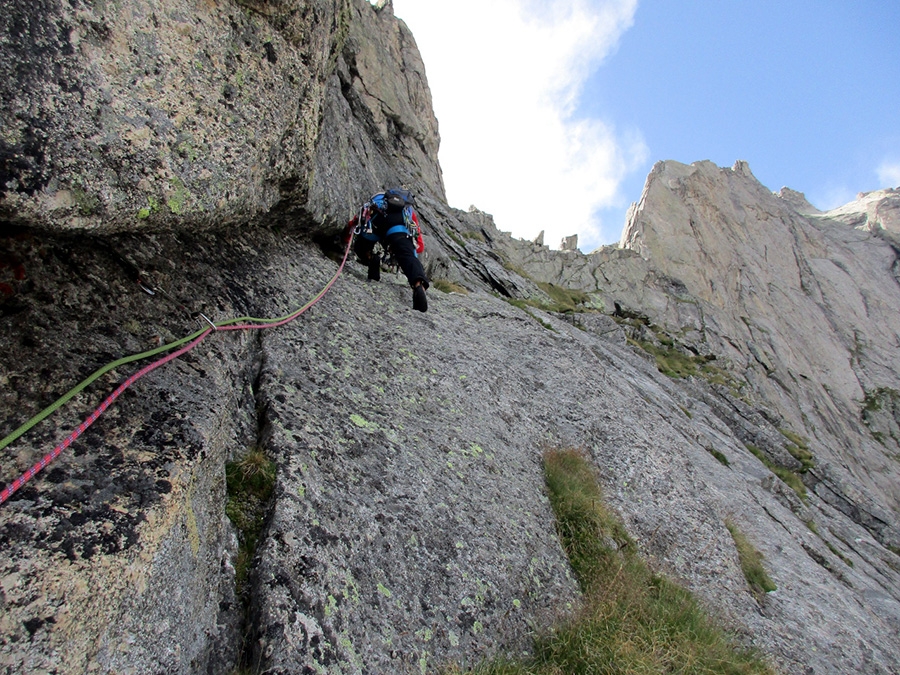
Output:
(581, 97)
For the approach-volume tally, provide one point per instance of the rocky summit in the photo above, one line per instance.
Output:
(166, 165)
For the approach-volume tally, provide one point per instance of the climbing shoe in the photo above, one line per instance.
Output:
(375, 267)
(420, 300)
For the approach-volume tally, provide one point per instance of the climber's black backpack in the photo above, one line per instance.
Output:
(396, 200)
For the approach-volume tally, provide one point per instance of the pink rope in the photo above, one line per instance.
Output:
(10, 489)
(81, 428)
(288, 319)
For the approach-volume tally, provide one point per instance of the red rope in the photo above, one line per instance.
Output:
(81, 428)
(10, 489)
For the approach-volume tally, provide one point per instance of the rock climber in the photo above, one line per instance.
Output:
(390, 218)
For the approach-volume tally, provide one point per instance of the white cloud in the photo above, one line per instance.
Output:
(889, 174)
(505, 78)
(832, 196)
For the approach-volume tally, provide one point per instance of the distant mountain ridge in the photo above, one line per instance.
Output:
(802, 304)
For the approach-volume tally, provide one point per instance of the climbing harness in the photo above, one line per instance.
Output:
(183, 346)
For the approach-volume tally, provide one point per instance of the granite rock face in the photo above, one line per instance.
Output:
(379, 128)
(801, 306)
(807, 307)
(151, 114)
(120, 555)
(409, 527)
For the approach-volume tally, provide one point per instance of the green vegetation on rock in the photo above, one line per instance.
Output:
(876, 399)
(564, 299)
(633, 620)
(86, 204)
(674, 361)
(880, 403)
(152, 207)
(250, 482)
(719, 456)
(455, 237)
(751, 562)
(446, 286)
(799, 449)
(791, 479)
(178, 197)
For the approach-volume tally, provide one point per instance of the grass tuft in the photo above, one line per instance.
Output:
(799, 449)
(564, 299)
(674, 363)
(671, 359)
(787, 476)
(446, 286)
(633, 621)
(590, 534)
(751, 562)
(723, 460)
(455, 237)
(250, 482)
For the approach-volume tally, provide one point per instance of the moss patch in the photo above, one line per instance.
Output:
(178, 196)
(151, 208)
(85, 203)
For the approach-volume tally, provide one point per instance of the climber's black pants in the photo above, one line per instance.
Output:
(401, 247)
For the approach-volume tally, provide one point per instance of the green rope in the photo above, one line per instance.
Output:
(60, 402)
(46, 412)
